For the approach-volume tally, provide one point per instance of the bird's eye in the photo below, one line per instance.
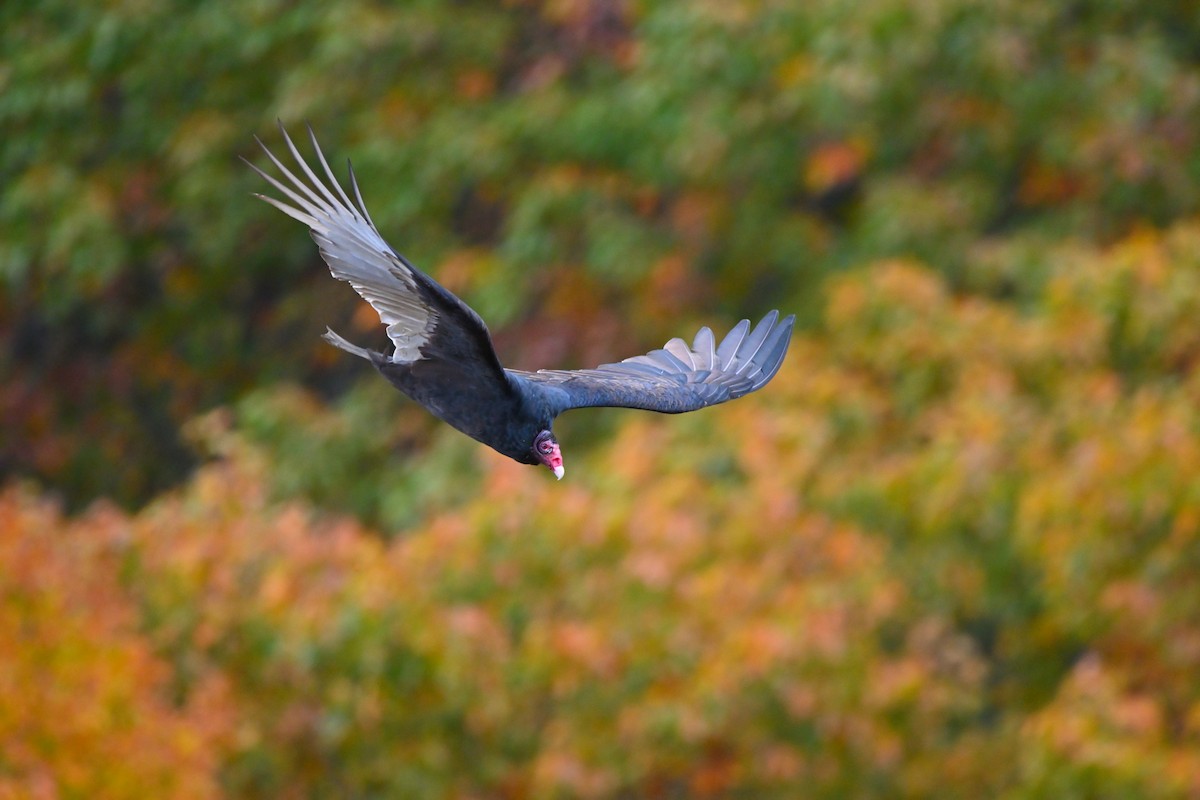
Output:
(545, 447)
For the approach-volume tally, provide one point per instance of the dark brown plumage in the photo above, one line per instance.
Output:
(442, 353)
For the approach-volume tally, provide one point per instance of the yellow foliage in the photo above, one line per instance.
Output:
(87, 708)
(951, 551)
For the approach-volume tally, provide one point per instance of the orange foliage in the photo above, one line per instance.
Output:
(86, 706)
(950, 551)
(834, 164)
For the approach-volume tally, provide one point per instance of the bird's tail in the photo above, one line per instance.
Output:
(340, 343)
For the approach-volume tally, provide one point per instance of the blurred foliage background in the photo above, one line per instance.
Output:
(952, 550)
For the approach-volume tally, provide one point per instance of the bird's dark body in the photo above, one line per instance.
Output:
(461, 382)
(444, 359)
(505, 421)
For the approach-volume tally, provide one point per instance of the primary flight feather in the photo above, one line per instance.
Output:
(442, 353)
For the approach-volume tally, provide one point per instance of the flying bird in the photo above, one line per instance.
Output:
(442, 354)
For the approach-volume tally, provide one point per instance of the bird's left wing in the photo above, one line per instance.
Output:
(677, 378)
(425, 322)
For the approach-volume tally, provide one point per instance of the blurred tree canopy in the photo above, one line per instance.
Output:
(589, 174)
(951, 550)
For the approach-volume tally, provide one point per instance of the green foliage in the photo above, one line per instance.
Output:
(950, 551)
(539, 157)
(348, 458)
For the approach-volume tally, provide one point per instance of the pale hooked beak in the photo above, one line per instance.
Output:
(554, 462)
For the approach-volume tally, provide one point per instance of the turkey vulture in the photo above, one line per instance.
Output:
(442, 353)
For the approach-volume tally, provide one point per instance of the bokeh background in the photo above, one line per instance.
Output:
(952, 550)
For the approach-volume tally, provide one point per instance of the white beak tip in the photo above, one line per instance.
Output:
(559, 472)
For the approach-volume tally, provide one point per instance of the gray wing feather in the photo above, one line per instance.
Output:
(705, 349)
(681, 351)
(676, 378)
(732, 341)
(748, 350)
(352, 247)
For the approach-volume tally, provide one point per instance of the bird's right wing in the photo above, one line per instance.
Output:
(677, 378)
(425, 322)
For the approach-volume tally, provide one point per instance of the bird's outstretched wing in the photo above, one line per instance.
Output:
(676, 378)
(428, 326)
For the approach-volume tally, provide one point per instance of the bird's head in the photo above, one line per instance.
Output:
(545, 450)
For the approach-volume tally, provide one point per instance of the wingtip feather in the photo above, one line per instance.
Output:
(770, 358)
(748, 350)
(705, 348)
(732, 341)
